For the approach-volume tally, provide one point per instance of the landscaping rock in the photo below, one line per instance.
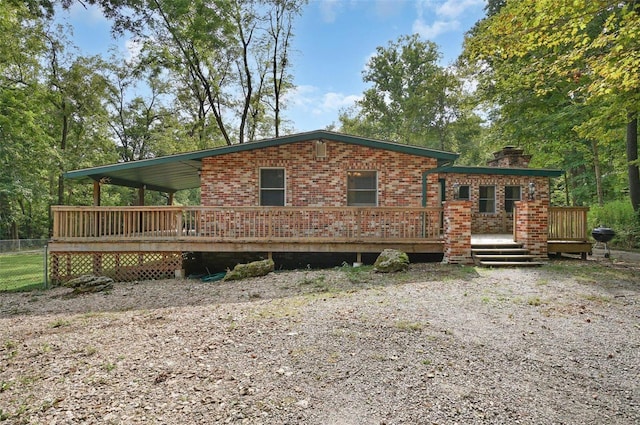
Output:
(391, 260)
(89, 283)
(253, 269)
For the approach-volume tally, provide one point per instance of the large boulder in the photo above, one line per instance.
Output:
(391, 260)
(89, 283)
(253, 269)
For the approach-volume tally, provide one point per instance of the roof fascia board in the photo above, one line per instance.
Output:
(319, 134)
(540, 172)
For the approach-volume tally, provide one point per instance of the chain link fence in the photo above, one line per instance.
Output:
(23, 264)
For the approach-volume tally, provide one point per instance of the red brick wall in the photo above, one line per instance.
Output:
(500, 221)
(457, 232)
(233, 179)
(532, 223)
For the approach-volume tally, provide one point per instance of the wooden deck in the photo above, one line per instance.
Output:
(246, 229)
(149, 242)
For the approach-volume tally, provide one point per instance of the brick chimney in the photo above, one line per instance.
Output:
(509, 157)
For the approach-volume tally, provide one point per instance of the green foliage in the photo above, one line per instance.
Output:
(560, 79)
(619, 216)
(412, 99)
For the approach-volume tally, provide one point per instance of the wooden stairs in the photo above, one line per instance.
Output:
(502, 254)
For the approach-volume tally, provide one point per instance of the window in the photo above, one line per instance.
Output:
(487, 199)
(272, 186)
(511, 195)
(464, 192)
(362, 188)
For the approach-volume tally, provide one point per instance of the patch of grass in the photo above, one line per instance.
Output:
(60, 323)
(588, 273)
(316, 282)
(109, 367)
(603, 299)
(283, 308)
(360, 274)
(21, 272)
(409, 326)
(4, 386)
(534, 301)
(453, 272)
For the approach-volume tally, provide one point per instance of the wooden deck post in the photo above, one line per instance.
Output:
(96, 193)
(141, 196)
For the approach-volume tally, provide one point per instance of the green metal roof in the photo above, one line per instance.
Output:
(176, 172)
(540, 172)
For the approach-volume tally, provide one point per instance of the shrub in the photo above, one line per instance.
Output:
(620, 216)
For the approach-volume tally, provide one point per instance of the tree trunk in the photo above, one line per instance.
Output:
(632, 160)
(63, 147)
(598, 172)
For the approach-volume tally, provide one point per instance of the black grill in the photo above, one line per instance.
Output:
(603, 235)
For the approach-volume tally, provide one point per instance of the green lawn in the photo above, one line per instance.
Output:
(21, 272)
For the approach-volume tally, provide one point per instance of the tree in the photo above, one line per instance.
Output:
(591, 45)
(280, 30)
(412, 98)
(218, 50)
(76, 92)
(24, 143)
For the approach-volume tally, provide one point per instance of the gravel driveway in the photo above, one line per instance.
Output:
(439, 344)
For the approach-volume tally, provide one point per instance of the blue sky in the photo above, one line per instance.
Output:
(333, 41)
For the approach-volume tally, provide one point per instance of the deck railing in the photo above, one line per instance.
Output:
(568, 224)
(246, 223)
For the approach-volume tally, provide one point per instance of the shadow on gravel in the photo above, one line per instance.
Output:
(614, 277)
(617, 276)
(149, 295)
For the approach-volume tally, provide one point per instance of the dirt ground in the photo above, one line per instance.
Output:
(439, 344)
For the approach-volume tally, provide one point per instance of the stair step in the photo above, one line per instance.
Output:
(483, 257)
(499, 245)
(510, 263)
(500, 250)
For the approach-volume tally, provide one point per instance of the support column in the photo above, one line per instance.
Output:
(96, 194)
(457, 232)
(532, 226)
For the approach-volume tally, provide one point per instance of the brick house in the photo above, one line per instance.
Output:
(319, 191)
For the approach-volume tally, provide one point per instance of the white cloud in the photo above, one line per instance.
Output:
(132, 49)
(437, 17)
(431, 31)
(311, 99)
(455, 8)
(333, 102)
(300, 97)
(329, 10)
(87, 13)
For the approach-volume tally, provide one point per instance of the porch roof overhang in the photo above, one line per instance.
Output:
(533, 172)
(181, 171)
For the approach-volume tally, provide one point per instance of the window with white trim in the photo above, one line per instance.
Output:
(272, 187)
(511, 195)
(487, 199)
(362, 188)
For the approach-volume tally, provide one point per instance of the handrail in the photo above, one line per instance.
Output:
(254, 223)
